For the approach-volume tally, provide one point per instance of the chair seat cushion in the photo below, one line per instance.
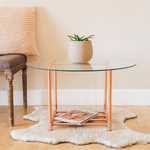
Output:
(10, 61)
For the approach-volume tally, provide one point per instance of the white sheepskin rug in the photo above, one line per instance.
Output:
(120, 136)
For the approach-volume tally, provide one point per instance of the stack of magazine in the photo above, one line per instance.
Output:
(76, 116)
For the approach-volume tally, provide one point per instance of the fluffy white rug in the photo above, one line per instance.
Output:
(121, 136)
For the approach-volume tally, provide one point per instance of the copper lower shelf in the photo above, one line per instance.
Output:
(92, 121)
(84, 124)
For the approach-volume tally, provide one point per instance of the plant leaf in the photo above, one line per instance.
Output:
(91, 36)
(78, 39)
(75, 37)
(71, 37)
(87, 38)
(82, 38)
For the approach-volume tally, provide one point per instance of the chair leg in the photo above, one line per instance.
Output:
(9, 77)
(24, 81)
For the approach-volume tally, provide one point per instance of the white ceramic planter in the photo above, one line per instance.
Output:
(80, 51)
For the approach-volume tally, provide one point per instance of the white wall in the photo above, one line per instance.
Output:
(121, 29)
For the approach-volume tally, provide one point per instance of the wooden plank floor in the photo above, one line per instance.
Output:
(140, 124)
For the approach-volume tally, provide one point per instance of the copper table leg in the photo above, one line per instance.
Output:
(55, 87)
(109, 101)
(105, 93)
(50, 101)
(106, 113)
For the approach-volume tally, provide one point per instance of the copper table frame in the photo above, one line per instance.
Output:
(105, 114)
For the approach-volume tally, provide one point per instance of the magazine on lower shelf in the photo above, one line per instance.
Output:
(76, 116)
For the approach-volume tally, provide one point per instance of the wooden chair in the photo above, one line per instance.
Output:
(9, 65)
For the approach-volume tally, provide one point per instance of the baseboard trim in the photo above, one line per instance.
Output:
(81, 97)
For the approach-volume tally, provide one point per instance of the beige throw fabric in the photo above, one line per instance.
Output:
(120, 136)
(17, 30)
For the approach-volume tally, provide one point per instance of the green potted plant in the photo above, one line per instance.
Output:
(80, 48)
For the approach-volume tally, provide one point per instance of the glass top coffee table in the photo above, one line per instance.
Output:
(107, 65)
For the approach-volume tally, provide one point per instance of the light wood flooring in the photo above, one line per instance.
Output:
(139, 124)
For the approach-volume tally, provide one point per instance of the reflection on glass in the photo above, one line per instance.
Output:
(80, 66)
(34, 62)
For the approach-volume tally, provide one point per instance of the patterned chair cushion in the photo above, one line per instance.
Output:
(17, 30)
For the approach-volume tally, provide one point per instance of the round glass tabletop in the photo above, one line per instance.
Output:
(95, 64)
